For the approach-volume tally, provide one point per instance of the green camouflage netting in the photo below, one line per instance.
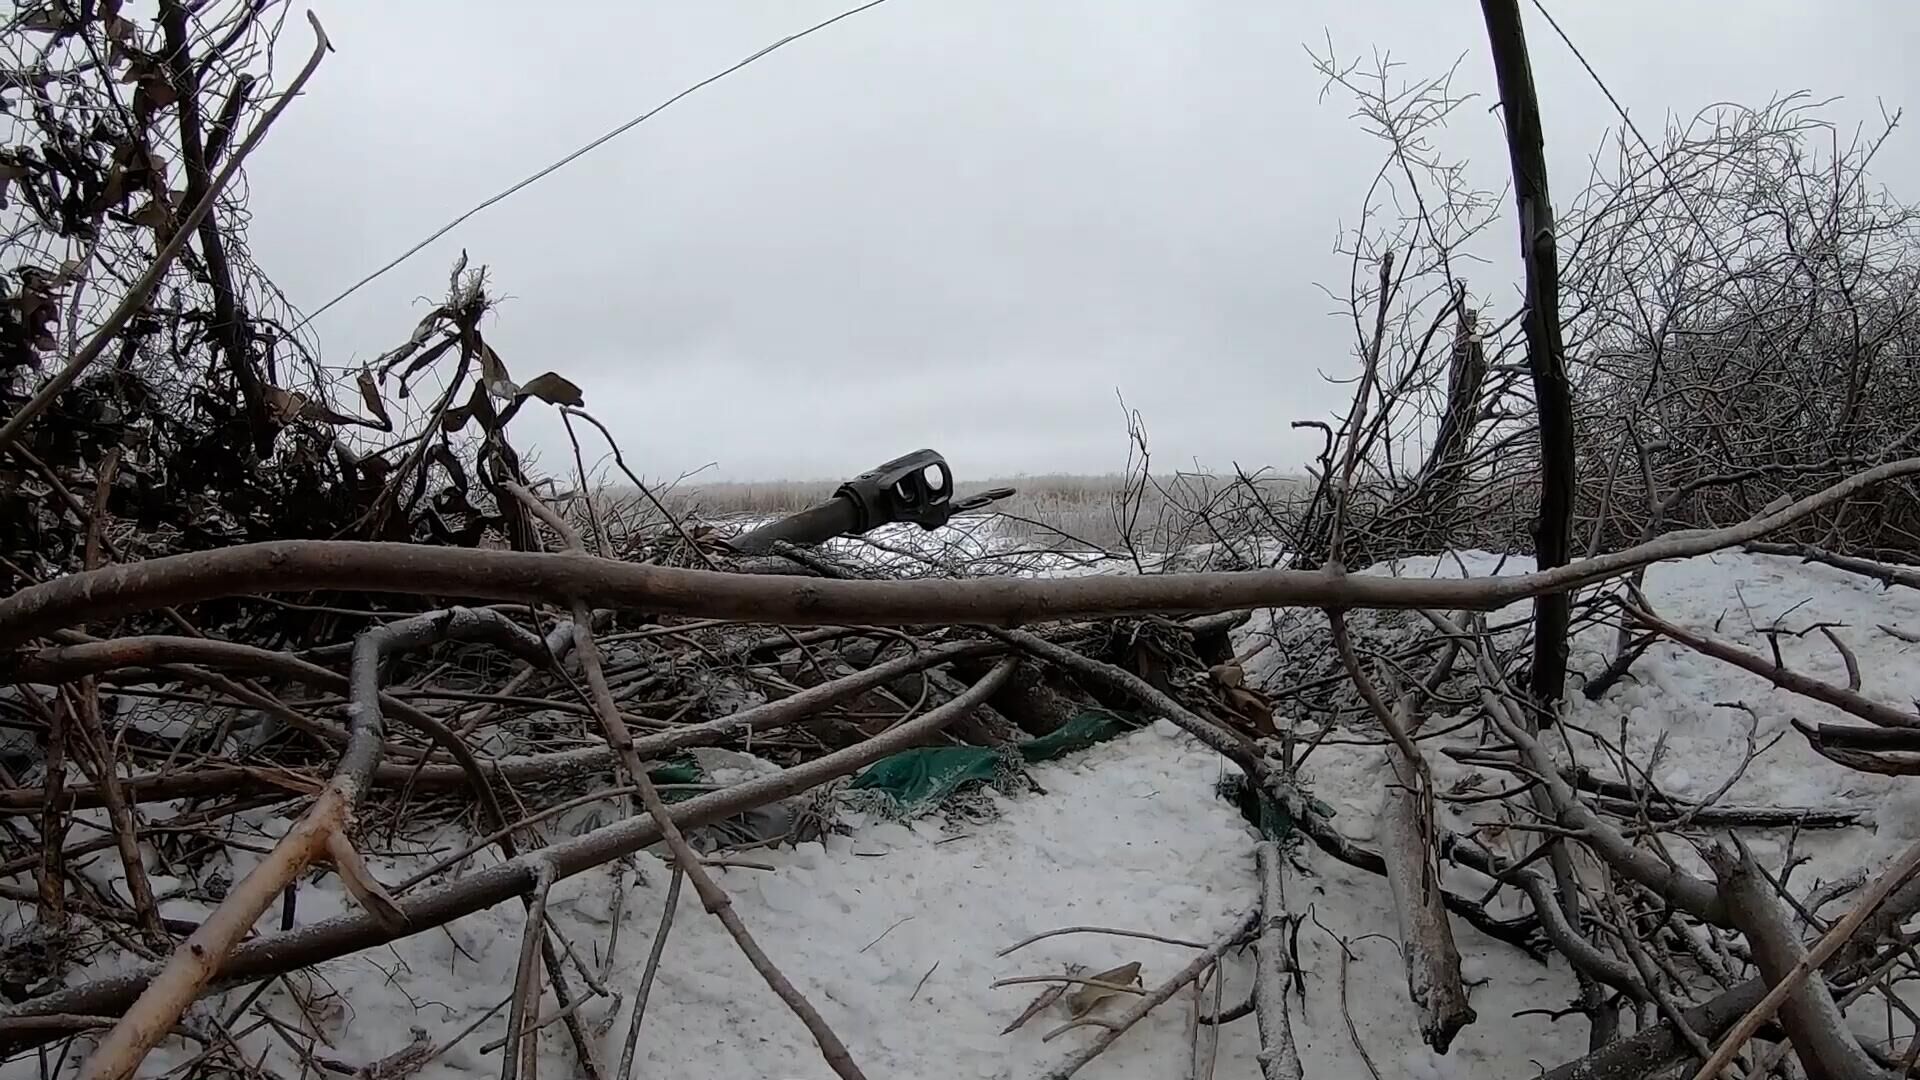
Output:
(916, 781)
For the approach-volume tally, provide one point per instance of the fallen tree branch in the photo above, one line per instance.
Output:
(1651, 1049)
(1569, 811)
(1826, 693)
(1626, 799)
(89, 656)
(54, 664)
(1230, 744)
(1645, 1052)
(652, 969)
(1885, 574)
(1839, 934)
(1852, 748)
(87, 729)
(1808, 1012)
(1279, 1058)
(491, 574)
(686, 860)
(521, 1055)
(1431, 958)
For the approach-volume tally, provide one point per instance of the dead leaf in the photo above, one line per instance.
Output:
(427, 325)
(1047, 997)
(139, 66)
(37, 308)
(493, 374)
(1254, 709)
(1087, 998)
(290, 405)
(554, 389)
(158, 90)
(370, 397)
(442, 454)
(427, 356)
(155, 215)
(478, 406)
(9, 172)
(48, 18)
(286, 404)
(366, 891)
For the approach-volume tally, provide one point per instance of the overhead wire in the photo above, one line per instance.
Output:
(576, 155)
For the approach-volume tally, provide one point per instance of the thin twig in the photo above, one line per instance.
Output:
(647, 976)
(1018, 945)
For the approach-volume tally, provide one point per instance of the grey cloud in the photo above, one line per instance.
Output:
(962, 225)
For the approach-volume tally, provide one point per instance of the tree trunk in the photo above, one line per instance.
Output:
(1546, 354)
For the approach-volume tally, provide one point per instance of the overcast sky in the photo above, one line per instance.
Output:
(962, 224)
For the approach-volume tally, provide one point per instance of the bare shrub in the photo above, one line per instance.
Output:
(1742, 311)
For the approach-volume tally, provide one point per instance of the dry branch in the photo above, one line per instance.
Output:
(64, 662)
(1279, 1057)
(1838, 935)
(686, 860)
(1432, 960)
(1884, 573)
(1546, 353)
(1811, 1018)
(1840, 698)
(487, 574)
(320, 831)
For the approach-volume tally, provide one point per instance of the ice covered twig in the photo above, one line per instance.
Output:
(1279, 1057)
(1045, 934)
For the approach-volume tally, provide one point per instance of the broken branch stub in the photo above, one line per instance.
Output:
(1432, 960)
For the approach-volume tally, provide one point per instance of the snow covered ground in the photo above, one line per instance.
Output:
(893, 931)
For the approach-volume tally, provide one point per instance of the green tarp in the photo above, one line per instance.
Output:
(926, 777)
(680, 771)
(1266, 813)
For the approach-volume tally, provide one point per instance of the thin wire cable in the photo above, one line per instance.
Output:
(1659, 162)
(582, 152)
